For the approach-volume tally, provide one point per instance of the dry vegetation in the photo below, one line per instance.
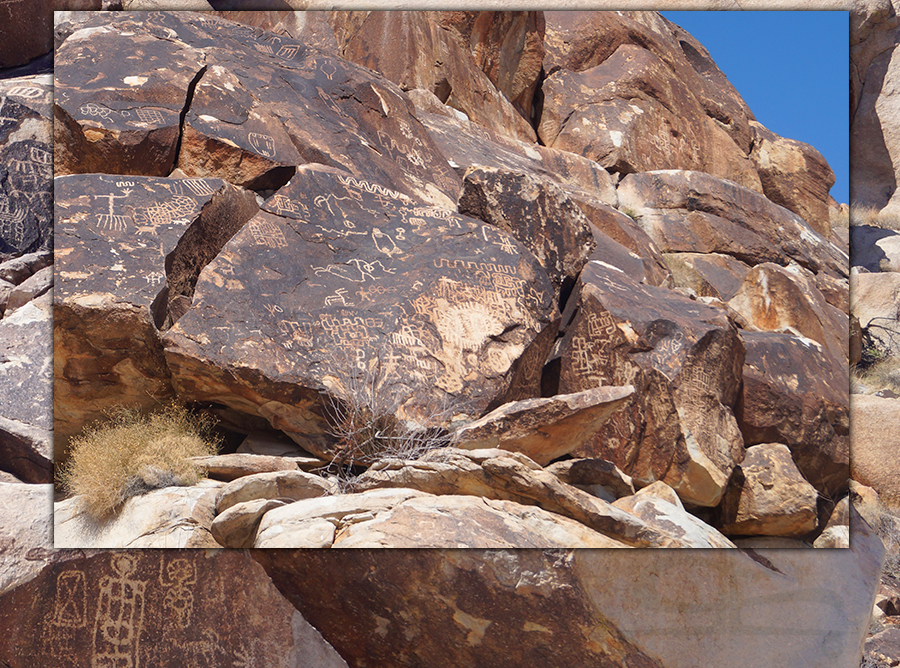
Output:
(881, 375)
(133, 453)
(860, 215)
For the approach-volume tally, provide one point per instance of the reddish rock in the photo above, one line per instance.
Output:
(707, 274)
(631, 114)
(795, 394)
(412, 50)
(507, 46)
(537, 213)
(683, 359)
(339, 278)
(794, 175)
(777, 299)
(693, 212)
(875, 425)
(26, 31)
(155, 608)
(128, 252)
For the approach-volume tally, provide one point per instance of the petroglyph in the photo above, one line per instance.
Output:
(176, 576)
(120, 617)
(266, 233)
(262, 144)
(299, 333)
(286, 205)
(70, 602)
(198, 187)
(110, 220)
(288, 52)
(375, 189)
(94, 109)
(27, 92)
(361, 272)
(339, 296)
(166, 212)
(150, 116)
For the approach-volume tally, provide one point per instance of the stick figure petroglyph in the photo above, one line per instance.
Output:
(110, 220)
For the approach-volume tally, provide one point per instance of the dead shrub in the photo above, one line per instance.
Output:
(132, 453)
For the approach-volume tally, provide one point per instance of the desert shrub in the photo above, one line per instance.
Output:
(881, 374)
(860, 215)
(132, 453)
(364, 414)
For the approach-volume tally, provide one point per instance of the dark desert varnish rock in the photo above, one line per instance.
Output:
(26, 166)
(338, 279)
(684, 360)
(128, 250)
(795, 393)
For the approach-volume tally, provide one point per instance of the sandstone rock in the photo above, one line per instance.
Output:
(707, 274)
(683, 360)
(292, 485)
(26, 156)
(595, 476)
(777, 299)
(128, 251)
(427, 304)
(466, 144)
(470, 607)
(544, 429)
(237, 465)
(249, 117)
(874, 433)
(768, 496)
(793, 394)
(310, 27)
(671, 519)
(492, 473)
(26, 361)
(311, 523)
(18, 269)
(132, 127)
(412, 50)
(158, 607)
(26, 541)
(794, 175)
(276, 444)
(834, 538)
(172, 517)
(468, 521)
(686, 211)
(535, 212)
(876, 299)
(236, 527)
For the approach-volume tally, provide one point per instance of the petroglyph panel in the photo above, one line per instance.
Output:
(361, 273)
(148, 609)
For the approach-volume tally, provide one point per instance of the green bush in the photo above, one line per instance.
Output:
(133, 453)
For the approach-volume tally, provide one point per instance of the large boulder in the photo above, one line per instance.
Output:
(686, 211)
(683, 359)
(26, 542)
(468, 607)
(128, 252)
(413, 50)
(875, 429)
(795, 394)
(338, 280)
(26, 31)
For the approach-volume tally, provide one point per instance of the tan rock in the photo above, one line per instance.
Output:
(779, 299)
(595, 476)
(707, 274)
(875, 434)
(794, 175)
(768, 496)
(26, 537)
(236, 527)
(172, 517)
(671, 518)
(834, 538)
(290, 485)
(544, 429)
(876, 299)
(468, 521)
(236, 465)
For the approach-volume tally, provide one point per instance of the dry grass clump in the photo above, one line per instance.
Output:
(881, 375)
(862, 215)
(839, 217)
(133, 453)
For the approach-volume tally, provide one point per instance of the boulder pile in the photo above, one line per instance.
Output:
(592, 293)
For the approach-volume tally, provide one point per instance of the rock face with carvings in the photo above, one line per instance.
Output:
(346, 234)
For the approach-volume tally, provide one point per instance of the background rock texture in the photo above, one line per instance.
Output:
(562, 236)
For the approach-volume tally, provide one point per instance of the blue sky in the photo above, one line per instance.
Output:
(791, 69)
